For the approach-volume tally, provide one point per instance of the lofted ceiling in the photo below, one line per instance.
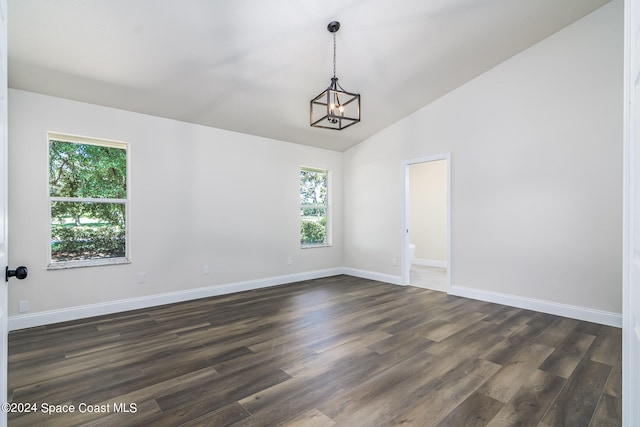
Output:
(252, 66)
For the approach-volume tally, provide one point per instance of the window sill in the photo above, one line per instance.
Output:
(324, 245)
(64, 265)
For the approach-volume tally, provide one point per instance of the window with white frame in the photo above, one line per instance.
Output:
(314, 207)
(89, 201)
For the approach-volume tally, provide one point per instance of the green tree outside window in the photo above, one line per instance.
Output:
(88, 193)
(313, 207)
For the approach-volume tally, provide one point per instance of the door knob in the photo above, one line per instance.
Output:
(19, 273)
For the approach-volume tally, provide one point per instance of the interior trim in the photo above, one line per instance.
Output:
(572, 311)
(30, 320)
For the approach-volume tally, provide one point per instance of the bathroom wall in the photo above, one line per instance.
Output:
(428, 212)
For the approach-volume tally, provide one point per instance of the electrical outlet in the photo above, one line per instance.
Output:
(205, 270)
(142, 277)
(23, 306)
(289, 260)
(394, 262)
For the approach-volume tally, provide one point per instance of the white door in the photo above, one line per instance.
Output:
(3, 207)
(631, 291)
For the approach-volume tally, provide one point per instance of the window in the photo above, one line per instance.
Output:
(314, 207)
(88, 200)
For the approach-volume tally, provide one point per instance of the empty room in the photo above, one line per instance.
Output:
(208, 213)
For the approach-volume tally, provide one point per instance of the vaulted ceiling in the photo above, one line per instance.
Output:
(252, 66)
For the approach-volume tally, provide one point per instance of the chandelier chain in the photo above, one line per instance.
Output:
(334, 55)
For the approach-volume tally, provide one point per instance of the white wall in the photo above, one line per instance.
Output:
(536, 163)
(536, 158)
(428, 210)
(199, 196)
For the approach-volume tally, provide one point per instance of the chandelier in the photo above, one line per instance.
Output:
(335, 108)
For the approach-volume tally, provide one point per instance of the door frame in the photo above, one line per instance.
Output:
(406, 265)
(630, 276)
(4, 138)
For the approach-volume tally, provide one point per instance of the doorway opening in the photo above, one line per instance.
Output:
(426, 231)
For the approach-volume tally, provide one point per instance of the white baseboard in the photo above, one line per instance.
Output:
(372, 275)
(22, 321)
(558, 309)
(30, 320)
(429, 262)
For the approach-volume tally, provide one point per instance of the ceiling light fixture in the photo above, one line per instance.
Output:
(335, 108)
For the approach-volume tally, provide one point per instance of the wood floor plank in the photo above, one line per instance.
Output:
(445, 330)
(334, 351)
(608, 412)
(557, 332)
(576, 403)
(225, 416)
(72, 385)
(568, 354)
(532, 400)
(146, 406)
(474, 338)
(447, 394)
(520, 338)
(311, 386)
(605, 347)
(223, 390)
(613, 387)
(403, 342)
(501, 314)
(312, 418)
(505, 383)
(369, 400)
(475, 411)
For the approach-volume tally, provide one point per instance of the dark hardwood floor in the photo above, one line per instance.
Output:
(337, 351)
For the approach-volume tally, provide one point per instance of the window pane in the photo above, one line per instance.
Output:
(313, 187)
(87, 170)
(83, 230)
(313, 226)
